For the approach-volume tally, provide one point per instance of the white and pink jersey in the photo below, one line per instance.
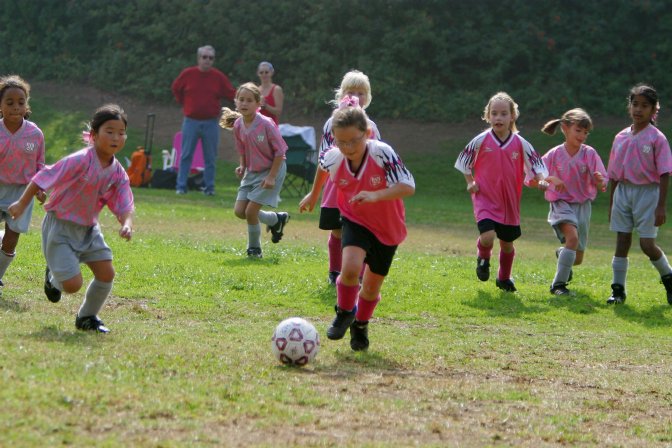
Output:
(81, 187)
(640, 158)
(329, 193)
(577, 172)
(381, 168)
(499, 169)
(260, 143)
(21, 153)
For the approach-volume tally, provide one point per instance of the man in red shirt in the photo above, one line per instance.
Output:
(200, 89)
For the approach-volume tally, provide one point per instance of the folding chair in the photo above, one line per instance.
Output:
(301, 156)
(172, 160)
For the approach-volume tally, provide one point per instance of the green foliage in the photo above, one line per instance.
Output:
(431, 59)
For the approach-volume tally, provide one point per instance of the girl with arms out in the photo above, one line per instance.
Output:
(262, 167)
(371, 181)
(576, 173)
(79, 185)
(639, 167)
(494, 164)
(21, 156)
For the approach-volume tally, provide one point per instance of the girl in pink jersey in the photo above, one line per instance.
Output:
(639, 167)
(494, 164)
(576, 173)
(79, 186)
(355, 84)
(21, 156)
(371, 181)
(262, 167)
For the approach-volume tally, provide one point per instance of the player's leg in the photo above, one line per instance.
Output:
(96, 294)
(484, 244)
(566, 258)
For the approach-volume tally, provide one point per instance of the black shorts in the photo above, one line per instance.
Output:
(504, 232)
(330, 218)
(378, 256)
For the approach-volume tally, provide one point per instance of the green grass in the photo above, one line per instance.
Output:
(452, 361)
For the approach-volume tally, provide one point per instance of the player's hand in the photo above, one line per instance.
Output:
(364, 196)
(543, 185)
(599, 181)
(307, 203)
(240, 171)
(557, 183)
(268, 183)
(660, 216)
(16, 210)
(125, 232)
(472, 187)
(41, 196)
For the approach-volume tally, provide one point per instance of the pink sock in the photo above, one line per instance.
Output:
(505, 264)
(365, 309)
(335, 253)
(483, 252)
(346, 296)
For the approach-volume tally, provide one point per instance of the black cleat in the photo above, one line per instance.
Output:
(359, 335)
(254, 252)
(333, 275)
(277, 229)
(91, 323)
(667, 282)
(483, 269)
(341, 323)
(560, 289)
(617, 294)
(52, 293)
(506, 285)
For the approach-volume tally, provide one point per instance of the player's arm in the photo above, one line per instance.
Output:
(126, 221)
(309, 201)
(17, 208)
(662, 198)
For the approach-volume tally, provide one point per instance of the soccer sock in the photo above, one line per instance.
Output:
(365, 308)
(253, 235)
(346, 296)
(505, 264)
(5, 260)
(661, 264)
(268, 218)
(483, 252)
(95, 297)
(620, 267)
(565, 263)
(335, 253)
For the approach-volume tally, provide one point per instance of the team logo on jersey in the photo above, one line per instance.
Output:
(559, 167)
(646, 149)
(30, 147)
(514, 155)
(260, 138)
(488, 149)
(375, 181)
(583, 169)
(342, 182)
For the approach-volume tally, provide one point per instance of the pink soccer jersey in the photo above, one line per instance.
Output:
(499, 169)
(381, 168)
(260, 143)
(640, 158)
(577, 172)
(329, 199)
(21, 153)
(81, 187)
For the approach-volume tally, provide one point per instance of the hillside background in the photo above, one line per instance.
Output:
(428, 60)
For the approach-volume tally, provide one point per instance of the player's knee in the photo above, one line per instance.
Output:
(72, 285)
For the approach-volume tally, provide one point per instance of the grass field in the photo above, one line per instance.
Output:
(452, 362)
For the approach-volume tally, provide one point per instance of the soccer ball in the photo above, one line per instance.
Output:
(295, 341)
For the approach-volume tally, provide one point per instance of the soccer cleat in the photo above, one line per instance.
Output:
(333, 275)
(557, 255)
(2, 285)
(506, 285)
(483, 269)
(341, 323)
(359, 335)
(277, 229)
(560, 289)
(617, 294)
(254, 252)
(667, 282)
(52, 293)
(91, 323)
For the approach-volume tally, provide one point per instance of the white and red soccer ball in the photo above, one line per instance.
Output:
(295, 341)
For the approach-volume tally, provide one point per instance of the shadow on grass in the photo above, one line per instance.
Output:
(327, 295)
(52, 334)
(502, 304)
(651, 317)
(580, 303)
(13, 305)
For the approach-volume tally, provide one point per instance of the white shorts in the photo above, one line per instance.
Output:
(634, 207)
(8, 195)
(575, 213)
(250, 187)
(65, 245)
